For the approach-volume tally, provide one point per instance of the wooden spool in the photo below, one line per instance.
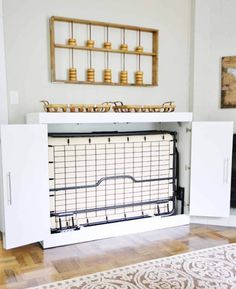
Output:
(90, 74)
(107, 75)
(139, 49)
(71, 41)
(124, 47)
(90, 43)
(107, 45)
(123, 77)
(72, 74)
(139, 77)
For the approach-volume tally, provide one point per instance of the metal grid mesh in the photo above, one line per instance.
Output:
(96, 180)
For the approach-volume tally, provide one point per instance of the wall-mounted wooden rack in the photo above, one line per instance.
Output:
(132, 73)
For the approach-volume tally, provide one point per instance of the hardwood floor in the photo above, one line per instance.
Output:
(31, 265)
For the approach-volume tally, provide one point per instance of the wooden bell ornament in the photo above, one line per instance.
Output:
(90, 43)
(72, 71)
(139, 48)
(72, 74)
(72, 42)
(123, 72)
(124, 77)
(90, 70)
(124, 46)
(107, 75)
(107, 45)
(90, 74)
(139, 73)
(139, 77)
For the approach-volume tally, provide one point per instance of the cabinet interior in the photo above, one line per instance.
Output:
(106, 177)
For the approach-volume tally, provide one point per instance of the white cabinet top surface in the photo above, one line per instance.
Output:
(109, 117)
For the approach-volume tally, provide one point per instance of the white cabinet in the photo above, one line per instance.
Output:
(25, 192)
(211, 157)
(24, 189)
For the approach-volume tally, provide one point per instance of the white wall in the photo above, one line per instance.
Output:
(27, 51)
(3, 83)
(215, 36)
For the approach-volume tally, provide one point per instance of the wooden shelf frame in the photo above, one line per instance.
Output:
(66, 46)
(53, 46)
(101, 83)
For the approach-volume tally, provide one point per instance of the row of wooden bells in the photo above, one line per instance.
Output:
(107, 76)
(107, 45)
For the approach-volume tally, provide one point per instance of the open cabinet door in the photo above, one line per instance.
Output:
(24, 188)
(211, 157)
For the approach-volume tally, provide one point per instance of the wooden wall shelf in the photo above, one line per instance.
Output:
(144, 75)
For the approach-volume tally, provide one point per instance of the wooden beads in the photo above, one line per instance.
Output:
(107, 45)
(139, 77)
(71, 41)
(123, 77)
(139, 49)
(72, 74)
(124, 47)
(107, 76)
(90, 74)
(90, 43)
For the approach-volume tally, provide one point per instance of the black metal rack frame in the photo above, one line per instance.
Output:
(99, 178)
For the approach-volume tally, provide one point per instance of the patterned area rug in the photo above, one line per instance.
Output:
(209, 268)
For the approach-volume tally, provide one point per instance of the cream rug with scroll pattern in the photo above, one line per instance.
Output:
(209, 268)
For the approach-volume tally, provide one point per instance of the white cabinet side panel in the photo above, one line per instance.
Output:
(211, 159)
(1, 196)
(3, 81)
(25, 184)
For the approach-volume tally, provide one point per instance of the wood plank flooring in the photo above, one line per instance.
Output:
(31, 265)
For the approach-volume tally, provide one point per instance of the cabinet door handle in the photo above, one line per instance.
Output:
(9, 199)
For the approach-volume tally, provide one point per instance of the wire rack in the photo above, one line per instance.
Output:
(97, 179)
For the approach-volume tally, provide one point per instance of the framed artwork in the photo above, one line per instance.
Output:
(228, 82)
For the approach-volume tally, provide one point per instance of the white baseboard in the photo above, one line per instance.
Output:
(228, 222)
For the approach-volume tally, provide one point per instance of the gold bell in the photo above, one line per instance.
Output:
(72, 74)
(107, 76)
(124, 47)
(139, 77)
(123, 77)
(90, 74)
(71, 41)
(90, 43)
(139, 49)
(107, 45)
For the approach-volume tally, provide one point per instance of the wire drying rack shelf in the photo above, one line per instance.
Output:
(102, 179)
